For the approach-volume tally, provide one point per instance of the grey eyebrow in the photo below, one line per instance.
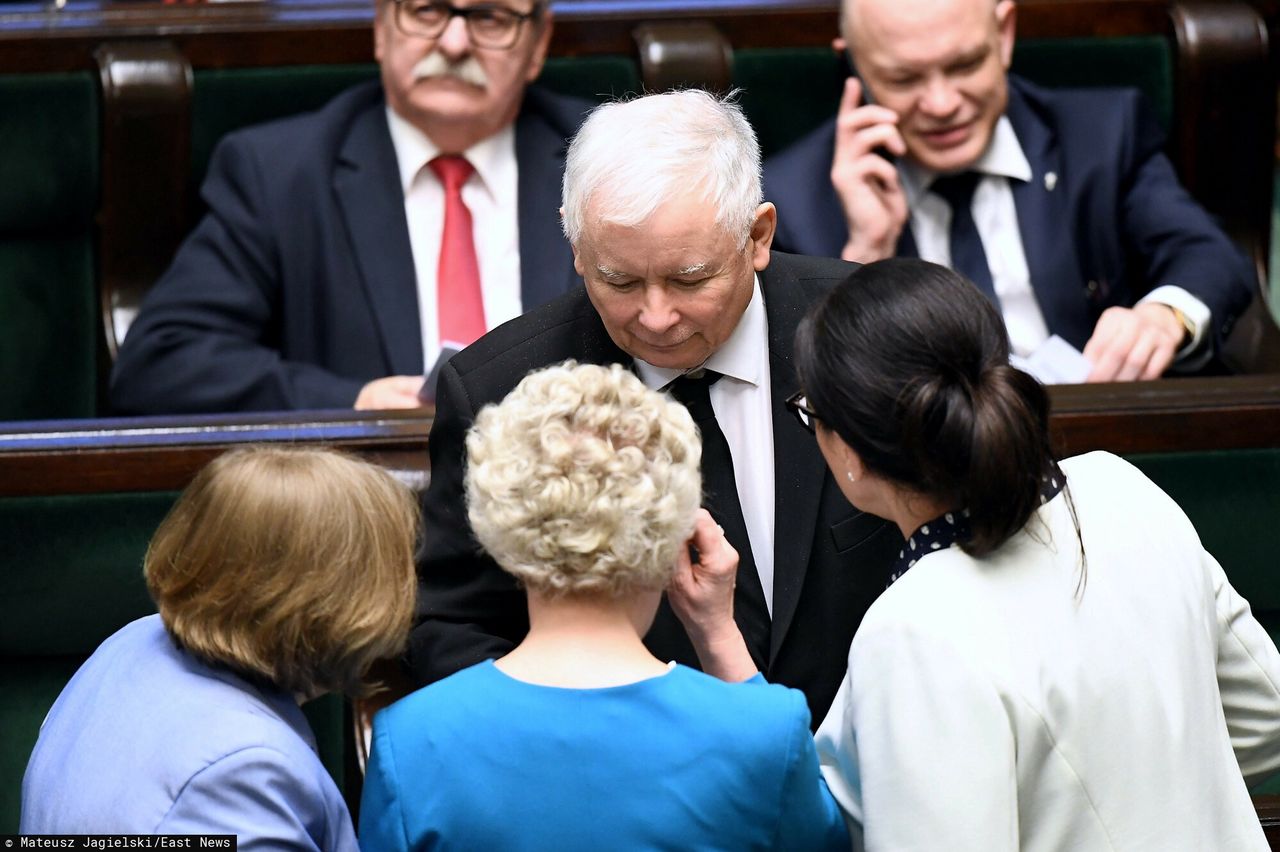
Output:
(609, 274)
(696, 269)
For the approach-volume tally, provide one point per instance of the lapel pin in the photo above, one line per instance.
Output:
(1050, 180)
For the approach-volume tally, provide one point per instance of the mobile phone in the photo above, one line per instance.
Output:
(867, 98)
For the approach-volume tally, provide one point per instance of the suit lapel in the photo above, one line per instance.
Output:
(798, 468)
(546, 261)
(367, 185)
(1045, 222)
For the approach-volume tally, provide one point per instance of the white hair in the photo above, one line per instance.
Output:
(584, 481)
(631, 157)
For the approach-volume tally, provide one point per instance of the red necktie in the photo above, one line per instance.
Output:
(459, 302)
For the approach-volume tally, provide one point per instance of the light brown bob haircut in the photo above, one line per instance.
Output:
(289, 565)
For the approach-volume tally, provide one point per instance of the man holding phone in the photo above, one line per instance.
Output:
(1059, 204)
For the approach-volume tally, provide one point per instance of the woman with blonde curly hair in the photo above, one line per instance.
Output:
(585, 486)
(279, 575)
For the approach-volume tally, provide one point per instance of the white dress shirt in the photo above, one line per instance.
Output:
(1008, 703)
(490, 195)
(743, 407)
(996, 218)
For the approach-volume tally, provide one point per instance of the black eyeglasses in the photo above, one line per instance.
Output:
(798, 404)
(488, 26)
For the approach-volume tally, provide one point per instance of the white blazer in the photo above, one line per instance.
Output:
(1010, 703)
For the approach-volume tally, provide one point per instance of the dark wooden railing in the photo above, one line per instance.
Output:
(163, 453)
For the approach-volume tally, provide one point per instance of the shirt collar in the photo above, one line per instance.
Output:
(952, 528)
(738, 358)
(492, 157)
(1004, 157)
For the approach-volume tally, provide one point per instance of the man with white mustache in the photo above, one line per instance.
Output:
(345, 250)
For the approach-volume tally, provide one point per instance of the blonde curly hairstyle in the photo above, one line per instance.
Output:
(583, 481)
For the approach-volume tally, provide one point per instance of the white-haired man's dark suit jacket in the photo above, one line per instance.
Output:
(830, 559)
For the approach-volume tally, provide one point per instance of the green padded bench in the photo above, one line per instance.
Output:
(48, 198)
(1233, 497)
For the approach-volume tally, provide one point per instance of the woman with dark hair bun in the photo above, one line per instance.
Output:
(1057, 661)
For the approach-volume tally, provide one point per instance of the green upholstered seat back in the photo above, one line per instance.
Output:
(49, 130)
(72, 575)
(1233, 498)
(789, 91)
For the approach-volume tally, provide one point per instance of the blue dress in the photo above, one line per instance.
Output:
(147, 739)
(481, 760)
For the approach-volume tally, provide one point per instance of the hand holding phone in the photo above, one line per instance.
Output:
(865, 175)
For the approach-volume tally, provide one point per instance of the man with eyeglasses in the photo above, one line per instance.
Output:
(346, 251)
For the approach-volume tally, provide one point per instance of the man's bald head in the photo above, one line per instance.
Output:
(940, 65)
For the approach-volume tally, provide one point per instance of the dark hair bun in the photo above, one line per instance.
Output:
(909, 364)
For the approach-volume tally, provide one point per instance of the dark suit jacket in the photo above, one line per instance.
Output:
(298, 286)
(830, 560)
(1115, 225)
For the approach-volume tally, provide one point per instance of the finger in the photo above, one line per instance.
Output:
(851, 97)
(707, 534)
(1161, 358)
(407, 382)
(880, 174)
(1105, 355)
(863, 117)
(1136, 359)
(880, 135)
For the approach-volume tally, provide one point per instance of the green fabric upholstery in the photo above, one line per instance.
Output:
(48, 325)
(28, 688)
(73, 576)
(1232, 496)
(1144, 62)
(786, 92)
(49, 141)
(596, 78)
(789, 91)
(75, 572)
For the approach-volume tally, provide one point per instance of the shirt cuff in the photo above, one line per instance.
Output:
(1200, 348)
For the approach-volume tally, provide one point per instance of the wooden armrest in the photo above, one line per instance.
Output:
(675, 54)
(1269, 815)
(146, 133)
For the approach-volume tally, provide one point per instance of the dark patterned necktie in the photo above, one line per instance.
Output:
(720, 492)
(967, 254)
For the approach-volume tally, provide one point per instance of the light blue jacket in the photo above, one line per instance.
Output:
(147, 739)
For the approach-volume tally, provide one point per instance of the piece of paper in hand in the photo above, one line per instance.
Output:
(427, 393)
(1056, 362)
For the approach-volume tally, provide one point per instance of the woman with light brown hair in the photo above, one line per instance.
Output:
(279, 575)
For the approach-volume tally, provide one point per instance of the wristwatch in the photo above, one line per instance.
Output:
(1188, 328)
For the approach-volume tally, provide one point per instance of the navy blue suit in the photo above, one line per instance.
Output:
(298, 286)
(1114, 225)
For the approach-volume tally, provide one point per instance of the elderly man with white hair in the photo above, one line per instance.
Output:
(671, 235)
